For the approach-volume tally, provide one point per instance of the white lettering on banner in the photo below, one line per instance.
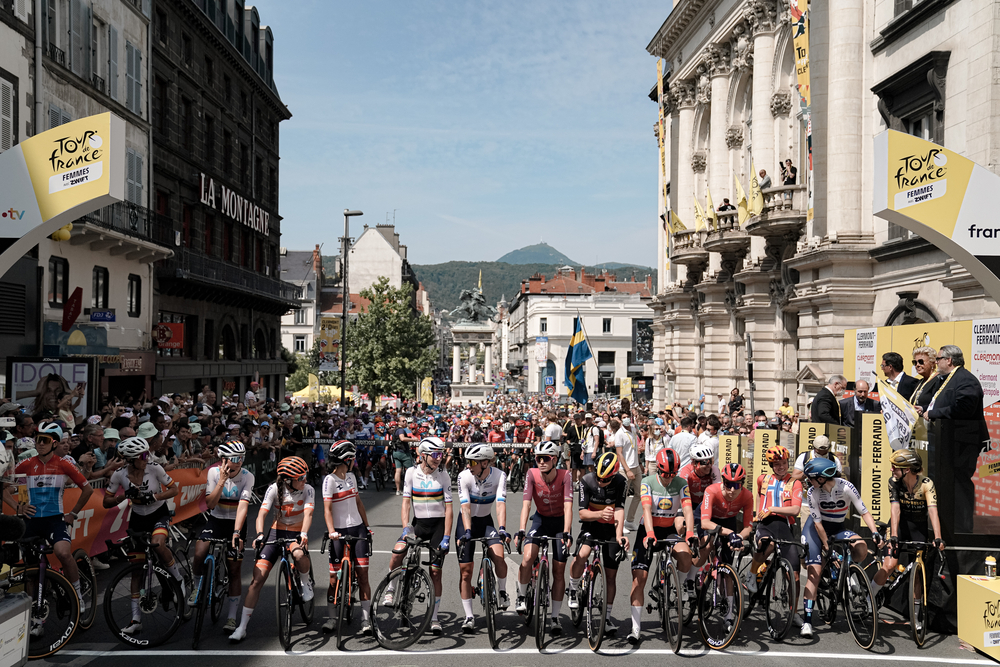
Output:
(986, 358)
(235, 206)
(864, 362)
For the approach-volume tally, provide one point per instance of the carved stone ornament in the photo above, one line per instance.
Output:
(741, 47)
(699, 162)
(780, 293)
(682, 94)
(781, 103)
(761, 15)
(704, 94)
(734, 136)
(717, 57)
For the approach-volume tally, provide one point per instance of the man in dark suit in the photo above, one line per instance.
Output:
(892, 367)
(825, 408)
(958, 398)
(857, 404)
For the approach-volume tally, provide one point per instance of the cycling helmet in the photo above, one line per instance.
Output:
(667, 461)
(52, 429)
(702, 452)
(607, 465)
(342, 450)
(520, 423)
(821, 467)
(776, 453)
(733, 472)
(430, 445)
(546, 448)
(232, 448)
(131, 448)
(293, 467)
(479, 451)
(906, 458)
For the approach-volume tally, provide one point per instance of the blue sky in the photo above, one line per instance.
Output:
(488, 126)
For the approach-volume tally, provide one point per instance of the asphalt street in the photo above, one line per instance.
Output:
(98, 646)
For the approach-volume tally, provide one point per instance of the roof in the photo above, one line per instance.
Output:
(332, 304)
(297, 266)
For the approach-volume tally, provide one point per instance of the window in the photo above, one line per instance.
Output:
(227, 86)
(172, 318)
(606, 325)
(244, 107)
(258, 175)
(99, 288)
(58, 281)
(272, 186)
(209, 71)
(227, 241)
(187, 114)
(96, 31)
(21, 9)
(133, 79)
(162, 203)
(300, 344)
(57, 116)
(606, 358)
(543, 325)
(209, 346)
(209, 232)
(133, 177)
(162, 111)
(920, 125)
(8, 114)
(227, 152)
(244, 165)
(160, 26)
(134, 295)
(300, 316)
(210, 140)
(186, 48)
(113, 63)
(186, 226)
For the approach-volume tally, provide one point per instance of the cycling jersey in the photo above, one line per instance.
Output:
(481, 494)
(46, 482)
(291, 512)
(343, 494)
(154, 480)
(495, 436)
(595, 497)
(430, 493)
(236, 489)
(776, 492)
(913, 506)
(716, 508)
(521, 435)
(696, 484)
(831, 506)
(549, 498)
(665, 502)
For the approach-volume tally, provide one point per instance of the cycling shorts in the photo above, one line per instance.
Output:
(482, 526)
(431, 531)
(725, 553)
(360, 551)
(776, 527)
(52, 528)
(609, 552)
(810, 538)
(642, 557)
(271, 552)
(548, 525)
(157, 523)
(222, 529)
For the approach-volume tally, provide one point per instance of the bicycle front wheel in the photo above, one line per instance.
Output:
(204, 602)
(400, 621)
(59, 613)
(342, 596)
(220, 591)
(306, 609)
(918, 602)
(720, 607)
(158, 619)
(860, 607)
(670, 605)
(489, 600)
(779, 600)
(284, 604)
(541, 606)
(596, 599)
(826, 595)
(88, 588)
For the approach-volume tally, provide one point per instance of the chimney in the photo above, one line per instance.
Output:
(535, 283)
(649, 282)
(600, 283)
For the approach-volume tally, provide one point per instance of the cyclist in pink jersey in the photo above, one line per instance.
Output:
(552, 492)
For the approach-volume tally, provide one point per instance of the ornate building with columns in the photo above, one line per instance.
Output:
(794, 284)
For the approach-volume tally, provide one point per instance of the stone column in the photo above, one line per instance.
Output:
(473, 349)
(488, 369)
(762, 24)
(845, 126)
(682, 93)
(456, 363)
(720, 179)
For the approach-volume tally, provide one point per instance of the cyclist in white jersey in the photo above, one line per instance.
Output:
(228, 491)
(294, 501)
(481, 485)
(345, 515)
(427, 489)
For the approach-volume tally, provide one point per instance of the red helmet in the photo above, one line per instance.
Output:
(667, 461)
(520, 423)
(733, 472)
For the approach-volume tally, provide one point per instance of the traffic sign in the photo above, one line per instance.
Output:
(549, 380)
(550, 391)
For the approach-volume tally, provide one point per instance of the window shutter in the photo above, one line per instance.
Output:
(86, 23)
(21, 9)
(129, 75)
(129, 175)
(6, 115)
(137, 178)
(75, 36)
(113, 63)
(65, 118)
(137, 81)
(55, 116)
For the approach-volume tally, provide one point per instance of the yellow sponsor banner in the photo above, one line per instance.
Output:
(979, 613)
(800, 32)
(426, 393)
(729, 449)
(763, 438)
(876, 471)
(329, 340)
(626, 388)
(840, 443)
(809, 431)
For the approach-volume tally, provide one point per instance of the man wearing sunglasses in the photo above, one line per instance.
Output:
(551, 490)
(46, 476)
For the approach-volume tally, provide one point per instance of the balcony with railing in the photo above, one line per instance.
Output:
(688, 248)
(189, 273)
(98, 83)
(56, 54)
(785, 210)
(727, 237)
(125, 228)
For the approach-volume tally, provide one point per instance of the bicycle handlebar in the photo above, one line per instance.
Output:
(339, 536)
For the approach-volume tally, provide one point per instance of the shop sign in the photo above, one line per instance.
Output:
(169, 335)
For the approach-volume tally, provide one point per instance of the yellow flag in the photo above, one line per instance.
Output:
(699, 217)
(712, 217)
(741, 202)
(756, 196)
(675, 223)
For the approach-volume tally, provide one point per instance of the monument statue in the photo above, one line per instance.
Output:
(473, 308)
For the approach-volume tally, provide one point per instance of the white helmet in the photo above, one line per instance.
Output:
(546, 448)
(479, 451)
(232, 448)
(131, 448)
(702, 451)
(430, 444)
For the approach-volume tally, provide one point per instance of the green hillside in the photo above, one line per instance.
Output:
(541, 253)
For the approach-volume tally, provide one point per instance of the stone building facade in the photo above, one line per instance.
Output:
(791, 283)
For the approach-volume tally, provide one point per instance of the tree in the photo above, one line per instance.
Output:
(298, 380)
(389, 344)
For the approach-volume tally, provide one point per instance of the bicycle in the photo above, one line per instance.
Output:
(161, 598)
(853, 591)
(914, 576)
(288, 593)
(55, 607)
(88, 588)
(775, 588)
(214, 585)
(718, 616)
(665, 592)
(515, 480)
(406, 617)
(486, 587)
(594, 590)
(539, 593)
(341, 596)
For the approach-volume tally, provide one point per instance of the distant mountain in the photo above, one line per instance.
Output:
(619, 266)
(541, 253)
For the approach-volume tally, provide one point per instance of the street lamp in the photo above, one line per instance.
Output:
(345, 296)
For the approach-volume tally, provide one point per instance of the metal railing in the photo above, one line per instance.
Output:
(132, 220)
(224, 274)
(57, 54)
(98, 83)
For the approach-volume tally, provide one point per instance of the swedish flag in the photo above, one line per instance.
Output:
(576, 356)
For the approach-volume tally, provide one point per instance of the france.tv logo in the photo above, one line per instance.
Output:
(12, 214)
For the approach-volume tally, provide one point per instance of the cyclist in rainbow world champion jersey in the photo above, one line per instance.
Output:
(345, 515)
(294, 501)
(829, 498)
(481, 485)
(427, 490)
(46, 478)
(552, 492)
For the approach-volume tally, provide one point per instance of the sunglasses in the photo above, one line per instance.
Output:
(732, 485)
(42, 439)
(917, 362)
(142, 457)
(701, 463)
(235, 459)
(664, 473)
(435, 455)
(543, 458)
